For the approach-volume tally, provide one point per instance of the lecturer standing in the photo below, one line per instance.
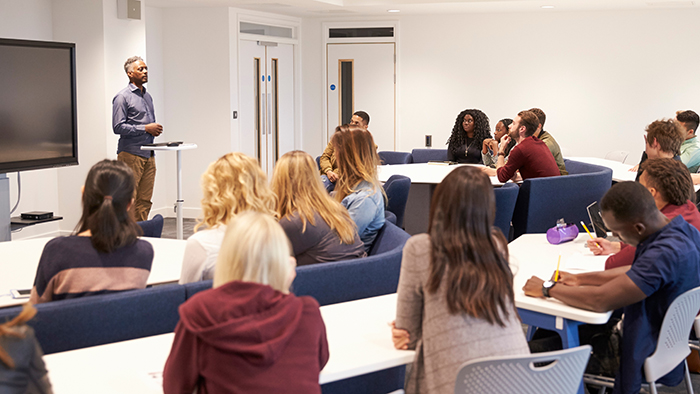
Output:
(134, 119)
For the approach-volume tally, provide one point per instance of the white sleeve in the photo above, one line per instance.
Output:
(193, 261)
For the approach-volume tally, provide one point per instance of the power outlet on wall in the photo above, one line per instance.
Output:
(428, 141)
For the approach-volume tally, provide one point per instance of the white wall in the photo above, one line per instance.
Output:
(601, 77)
(197, 73)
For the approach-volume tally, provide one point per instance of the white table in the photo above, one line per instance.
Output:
(531, 254)
(424, 180)
(359, 341)
(20, 260)
(621, 171)
(179, 201)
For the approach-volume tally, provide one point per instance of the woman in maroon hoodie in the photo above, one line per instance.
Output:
(249, 334)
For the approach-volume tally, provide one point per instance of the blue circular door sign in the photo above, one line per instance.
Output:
(268, 78)
(332, 87)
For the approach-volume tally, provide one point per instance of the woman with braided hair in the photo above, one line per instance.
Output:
(470, 130)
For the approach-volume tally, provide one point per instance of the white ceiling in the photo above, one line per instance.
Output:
(337, 8)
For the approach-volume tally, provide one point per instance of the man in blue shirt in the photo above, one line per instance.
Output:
(666, 264)
(134, 119)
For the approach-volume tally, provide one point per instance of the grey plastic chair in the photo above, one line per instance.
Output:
(519, 374)
(672, 347)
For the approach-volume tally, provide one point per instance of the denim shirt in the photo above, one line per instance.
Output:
(132, 110)
(366, 208)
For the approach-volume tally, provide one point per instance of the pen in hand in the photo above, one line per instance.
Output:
(589, 233)
(556, 274)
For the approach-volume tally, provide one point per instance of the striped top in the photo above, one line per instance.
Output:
(443, 342)
(70, 267)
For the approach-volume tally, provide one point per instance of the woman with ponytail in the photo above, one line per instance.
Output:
(104, 255)
(22, 370)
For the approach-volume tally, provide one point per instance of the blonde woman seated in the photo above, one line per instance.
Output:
(22, 369)
(235, 183)
(249, 334)
(319, 228)
(455, 294)
(358, 187)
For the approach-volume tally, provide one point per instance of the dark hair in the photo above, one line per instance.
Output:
(629, 202)
(540, 115)
(671, 178)
(364, 115)
(668, 133)
(109, 188)
(530, 121)
(458, 138)
(466, 245)
(690, 118)
(506, 123)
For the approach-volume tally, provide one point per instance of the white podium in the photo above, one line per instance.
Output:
(178, 203)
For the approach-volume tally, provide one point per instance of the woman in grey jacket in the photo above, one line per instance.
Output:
(455, 295)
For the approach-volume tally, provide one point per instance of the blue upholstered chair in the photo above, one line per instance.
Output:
(426, 155)
(396, 189)
(347, 280)
(390, 217)
(390, 157)
(506, 196)
(195, 287)
(152, 228)
(543, 201)
(318, 162)
(97, 320)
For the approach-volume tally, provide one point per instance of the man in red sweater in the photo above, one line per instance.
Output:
(530, 158)
(670, 184)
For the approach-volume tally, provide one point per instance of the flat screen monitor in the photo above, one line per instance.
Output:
(38, 117)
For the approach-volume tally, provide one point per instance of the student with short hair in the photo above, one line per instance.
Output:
(666, 265)
(319, 227)
(358, 188)
(669, 183)
(549, 140)
(249, 334)
(22, 369)
(530, 158)
(690, 148)
(663, 139)
(455, 294)
(104, 255)
(232, 184)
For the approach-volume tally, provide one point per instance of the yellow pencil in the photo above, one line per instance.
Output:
(556, 275)
(589, 233)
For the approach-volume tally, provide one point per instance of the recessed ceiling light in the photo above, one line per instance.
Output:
(393, 10)
(547, 6)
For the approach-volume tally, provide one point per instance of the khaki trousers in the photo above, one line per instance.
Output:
(144, 177)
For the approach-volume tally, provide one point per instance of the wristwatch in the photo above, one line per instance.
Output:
(546, 286)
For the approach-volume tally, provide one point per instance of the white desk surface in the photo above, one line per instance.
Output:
(423, 172)
(359, 340)
(21, 258)
(531, 254)
(621, 171)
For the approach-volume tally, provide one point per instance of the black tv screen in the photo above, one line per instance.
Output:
(38, 121)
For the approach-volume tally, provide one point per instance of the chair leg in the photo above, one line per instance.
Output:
(652, 387)
(688, 382)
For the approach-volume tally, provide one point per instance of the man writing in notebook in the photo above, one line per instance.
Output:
(666, 264)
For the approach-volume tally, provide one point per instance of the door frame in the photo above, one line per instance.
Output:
(326, 26)
(281, 21)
